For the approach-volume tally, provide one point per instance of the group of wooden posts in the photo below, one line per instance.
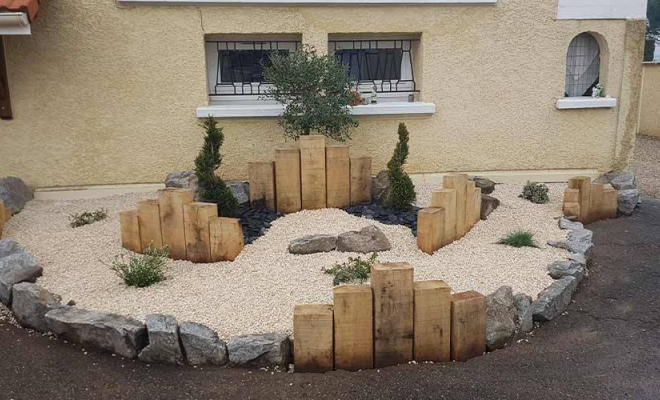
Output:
(4, 216)
(454, 210)
(192, 230)
(313, 176)
(393, 321)
(589, 202)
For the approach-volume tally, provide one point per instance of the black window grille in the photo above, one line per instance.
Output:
(239, 65)
(387, 64)
(582, 66)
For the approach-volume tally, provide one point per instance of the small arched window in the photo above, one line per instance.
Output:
(582, 66)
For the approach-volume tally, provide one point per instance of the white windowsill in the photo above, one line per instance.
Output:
(274, 110)
(297, 2)
(573, 103)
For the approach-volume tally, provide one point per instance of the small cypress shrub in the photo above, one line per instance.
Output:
(211, 187)
(537, 193)
(519, 239)
(142, 270)
(402, 190)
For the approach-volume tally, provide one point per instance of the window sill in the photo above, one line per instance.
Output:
(574, 103)
(298, 2)
(274, 110)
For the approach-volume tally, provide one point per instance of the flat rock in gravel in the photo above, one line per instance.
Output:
(30, 303)
(115, 333)
(312, 244)
(567, 224)
(628, 200)
(264, 350)
(560, 269)
(622, 180)
(524, 314)
(500, 318)
(14, 193)
(554, 299)
(202, 345)
(487, 186)
(380, 187)
(578, 241)
(9, 247)
(164, 346)
(17, 268)
(240, 190)
(488, 205)
(368, 240)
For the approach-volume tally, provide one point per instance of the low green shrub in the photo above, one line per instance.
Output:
(537, 193)
(355, 270)
(142, 270)
(519, 239)
(87, 218)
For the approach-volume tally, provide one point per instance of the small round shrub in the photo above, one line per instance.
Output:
(537, 193)
(142, 270)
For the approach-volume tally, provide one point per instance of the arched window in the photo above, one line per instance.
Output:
(582, 66)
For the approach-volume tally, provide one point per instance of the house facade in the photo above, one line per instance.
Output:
(112, 91)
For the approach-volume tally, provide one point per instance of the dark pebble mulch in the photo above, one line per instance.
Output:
(256, 221)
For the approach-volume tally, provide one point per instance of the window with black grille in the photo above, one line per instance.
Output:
(582, 66)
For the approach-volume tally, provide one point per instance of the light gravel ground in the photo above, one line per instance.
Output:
(647, 165)
(258, 291)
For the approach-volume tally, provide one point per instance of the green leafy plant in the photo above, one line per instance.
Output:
(355, 270)
(537, 193)
(142, 270)
(402, 190)
(211, 187)
(315, 90)
(519, 239)
(87, 218)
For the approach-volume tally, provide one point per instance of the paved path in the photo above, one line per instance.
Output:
(607, 346)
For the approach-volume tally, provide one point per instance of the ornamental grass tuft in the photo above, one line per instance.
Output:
(519, 239)
(142, 270)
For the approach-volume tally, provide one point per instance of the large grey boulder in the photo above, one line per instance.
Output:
(488, 205)
(578, 241)
(16, 268)
(265, 350)
(14, 193)
(164, 346)
(578, 258)
(487, 186)
(182, 180)
(202, 345)
(567, 224)
(554, 299)
(560, 269)
(312, 244)
(9, 247)
(628, 200)
(115, 333)
(240, 190)
(500, 318)
(380, 187)
(368, 240)
(524, 314)
(623, 180)
(30, 303)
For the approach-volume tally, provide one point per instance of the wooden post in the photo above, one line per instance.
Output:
(287, 180)
(312, 338)
(312, 171)
(432, 321)
(583, 184)
(227, 240)
(198, 238)
(430, 228)
(360, 180)
(337, 166)
(572, 196)
(149, 218)
(446, 198)
(470, 192)
(610, 203)
(477, 206)
(459, 182)
(262, 184)
(392, 285)
(172, 227)
(468, 325)
(572, 210)
(130, 230)
(596, 202)
(354, 328)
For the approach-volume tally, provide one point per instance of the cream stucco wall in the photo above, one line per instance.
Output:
(107, 95)
(649, 123)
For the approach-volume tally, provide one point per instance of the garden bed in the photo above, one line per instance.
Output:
(258, 291)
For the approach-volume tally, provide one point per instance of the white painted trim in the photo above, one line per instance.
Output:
(275, 110)
(14, 23)
(93, 192)
(601, 9)
(296, 2)
(572, 103)
(545, 176)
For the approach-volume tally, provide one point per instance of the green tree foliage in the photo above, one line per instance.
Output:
(402, 190)
(211, 187)
(316, 92)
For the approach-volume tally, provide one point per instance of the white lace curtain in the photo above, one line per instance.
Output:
(582, 66)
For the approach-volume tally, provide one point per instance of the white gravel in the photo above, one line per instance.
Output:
(258, 291)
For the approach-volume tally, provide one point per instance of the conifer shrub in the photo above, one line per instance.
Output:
(402, 190)
(211, 187)
(537, 193)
